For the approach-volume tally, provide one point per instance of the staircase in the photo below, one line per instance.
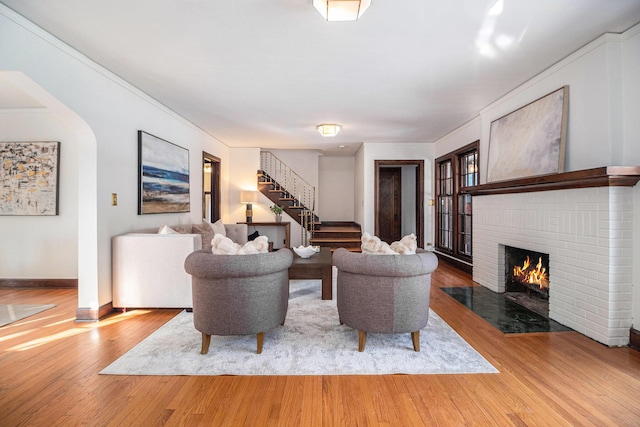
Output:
(336, 235)
(285, 188)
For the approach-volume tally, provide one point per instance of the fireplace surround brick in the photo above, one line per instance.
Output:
(587, 233)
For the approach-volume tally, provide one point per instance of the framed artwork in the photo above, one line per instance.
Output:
(29, 175)
(530, 141)
(163, 176)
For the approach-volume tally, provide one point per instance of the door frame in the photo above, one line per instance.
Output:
(215, 186)
(419, 193)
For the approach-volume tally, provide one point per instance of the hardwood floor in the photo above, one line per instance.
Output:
(49, 368)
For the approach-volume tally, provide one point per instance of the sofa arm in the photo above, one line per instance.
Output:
(237, 232)
(147, 269)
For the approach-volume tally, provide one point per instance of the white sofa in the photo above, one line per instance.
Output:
(148, 268)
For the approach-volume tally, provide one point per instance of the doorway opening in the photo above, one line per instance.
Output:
(210, 187)
(399, 199)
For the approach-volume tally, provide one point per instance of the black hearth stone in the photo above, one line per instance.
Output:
(505, 315)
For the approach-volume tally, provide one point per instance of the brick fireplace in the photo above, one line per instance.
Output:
(584, 222)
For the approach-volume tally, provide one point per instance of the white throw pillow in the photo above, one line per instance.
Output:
(373, 245)
(406, 246)
(165, 229)
(218, 228)
(259, 245)
(222, 245)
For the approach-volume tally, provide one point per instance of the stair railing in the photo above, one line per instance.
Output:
(302, 193)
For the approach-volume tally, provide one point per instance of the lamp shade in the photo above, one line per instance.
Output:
(328, 130)
(248, 196)
(341, 10)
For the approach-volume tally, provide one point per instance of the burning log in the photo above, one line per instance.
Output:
(528, 275)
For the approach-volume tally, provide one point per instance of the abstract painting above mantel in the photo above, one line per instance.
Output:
(163, 176)
(29, 175)
(530, 141)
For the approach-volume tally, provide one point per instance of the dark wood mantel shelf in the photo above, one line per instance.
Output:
(610, 176)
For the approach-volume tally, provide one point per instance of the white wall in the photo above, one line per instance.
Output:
(243, 165)
(408, 200)
(113, 111)
(603, 126)
(42, 247)
(631, 157)
(464, 135)
(590, 140)
(336, 186)
(359, 187)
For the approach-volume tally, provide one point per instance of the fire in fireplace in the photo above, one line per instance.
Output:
(527, 278)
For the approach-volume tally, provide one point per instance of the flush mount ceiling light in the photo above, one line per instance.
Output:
(328, 130)
(341, 10)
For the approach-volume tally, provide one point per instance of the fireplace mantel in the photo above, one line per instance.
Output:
(610, 176)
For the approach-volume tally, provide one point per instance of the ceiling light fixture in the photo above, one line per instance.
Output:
(328, 130)
(341, 10)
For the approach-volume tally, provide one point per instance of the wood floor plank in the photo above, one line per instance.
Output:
(49, 367)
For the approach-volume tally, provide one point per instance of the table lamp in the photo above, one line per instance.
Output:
(249, 197)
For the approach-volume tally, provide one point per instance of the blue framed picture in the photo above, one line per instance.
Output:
(163, 176)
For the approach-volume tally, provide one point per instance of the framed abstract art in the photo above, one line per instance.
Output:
(29, 175)
(530, 141)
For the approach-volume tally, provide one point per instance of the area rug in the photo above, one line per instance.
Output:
(10, 313)
(312, 342)
(502, 313)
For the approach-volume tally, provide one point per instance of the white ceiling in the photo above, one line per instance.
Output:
(264, 73)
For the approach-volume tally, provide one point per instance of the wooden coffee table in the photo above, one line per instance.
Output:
(317, 266)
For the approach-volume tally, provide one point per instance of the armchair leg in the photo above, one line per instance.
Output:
(362, 340)
(206, 340)
(260, 341)
(415, 337)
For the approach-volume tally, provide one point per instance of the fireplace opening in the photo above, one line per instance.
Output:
(527, 279)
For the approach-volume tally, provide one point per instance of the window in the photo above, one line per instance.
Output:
(454, 173)
(468, 178)
(445, 203)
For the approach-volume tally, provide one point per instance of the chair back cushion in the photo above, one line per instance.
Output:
(384, 293)
(238, 295)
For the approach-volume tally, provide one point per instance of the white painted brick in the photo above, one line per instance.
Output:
(587, 234)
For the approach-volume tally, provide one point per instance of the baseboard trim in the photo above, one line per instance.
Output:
(93, 315)
(634, 339)
(39, 283)
(460, 265)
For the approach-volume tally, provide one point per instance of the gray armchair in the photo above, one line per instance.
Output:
(238, 294)
(385, 294)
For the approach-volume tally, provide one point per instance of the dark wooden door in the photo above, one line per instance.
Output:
(389, 204)
(210, 187)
